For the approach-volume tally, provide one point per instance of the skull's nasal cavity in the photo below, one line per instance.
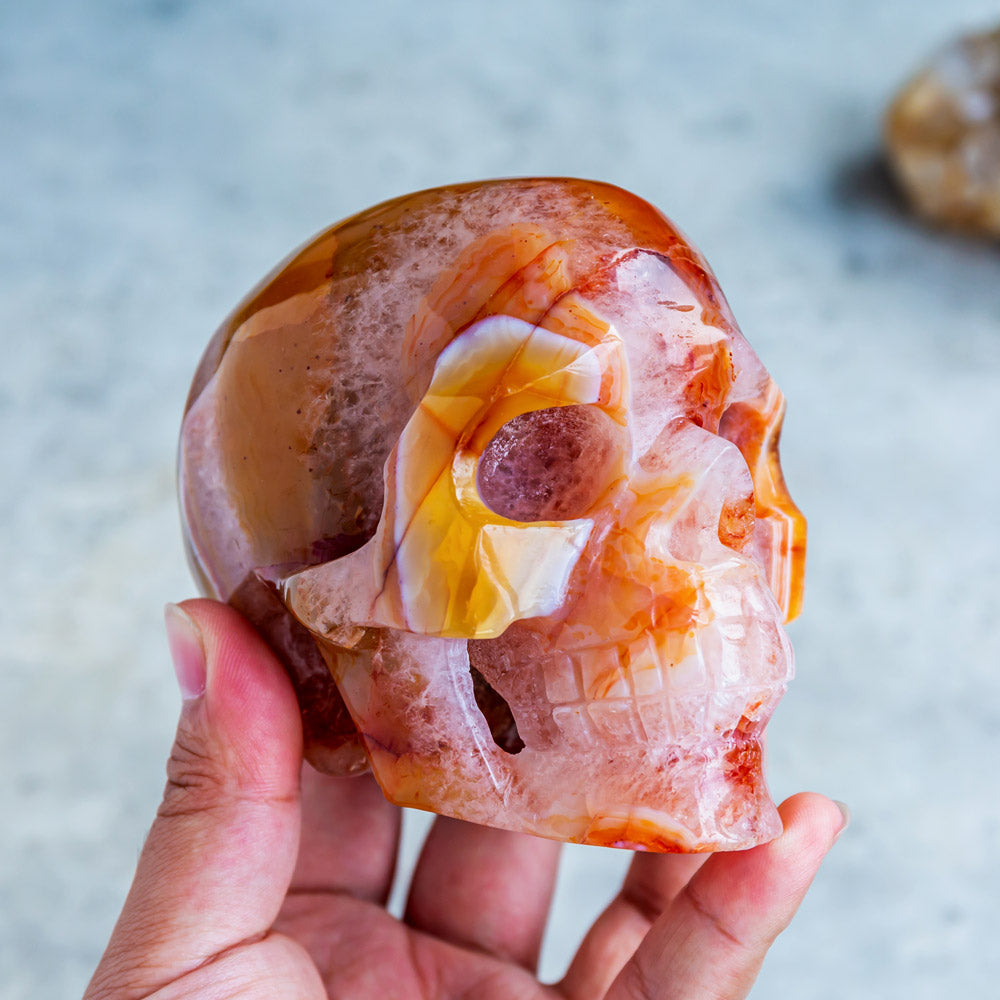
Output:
(551, 465)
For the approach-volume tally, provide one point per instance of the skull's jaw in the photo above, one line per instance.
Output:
(710, 798)
(431, 748)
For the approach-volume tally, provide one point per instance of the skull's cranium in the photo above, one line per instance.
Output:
(511, 464)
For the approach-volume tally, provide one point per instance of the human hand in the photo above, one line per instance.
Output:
(255, 884)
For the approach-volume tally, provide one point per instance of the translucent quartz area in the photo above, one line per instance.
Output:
(496, 474)
(943, 135)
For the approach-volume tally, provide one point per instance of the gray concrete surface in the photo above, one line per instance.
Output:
(156, 158)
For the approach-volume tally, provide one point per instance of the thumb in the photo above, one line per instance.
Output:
(219, 857)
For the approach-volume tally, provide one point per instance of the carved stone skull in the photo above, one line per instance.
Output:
(514, 474)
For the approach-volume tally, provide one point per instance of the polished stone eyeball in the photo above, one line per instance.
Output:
(496, 474)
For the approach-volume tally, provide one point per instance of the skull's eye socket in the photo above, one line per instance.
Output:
(551, 465)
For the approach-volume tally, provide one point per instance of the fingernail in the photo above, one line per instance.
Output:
(846, 813)
(186, 650)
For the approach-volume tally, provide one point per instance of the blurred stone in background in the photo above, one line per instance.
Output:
(943, 136)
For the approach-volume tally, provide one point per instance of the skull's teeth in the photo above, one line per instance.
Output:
(662, 719)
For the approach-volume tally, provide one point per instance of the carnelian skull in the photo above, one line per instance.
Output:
(564, 615)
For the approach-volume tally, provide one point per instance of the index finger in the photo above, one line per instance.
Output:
(712, 939)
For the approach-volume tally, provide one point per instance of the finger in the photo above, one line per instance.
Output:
(219, 856)
(711, 940)
(350, 834)
(484, 889)
(652, 882)
(348, 849)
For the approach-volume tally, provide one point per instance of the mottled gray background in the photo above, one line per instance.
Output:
(156, 158)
